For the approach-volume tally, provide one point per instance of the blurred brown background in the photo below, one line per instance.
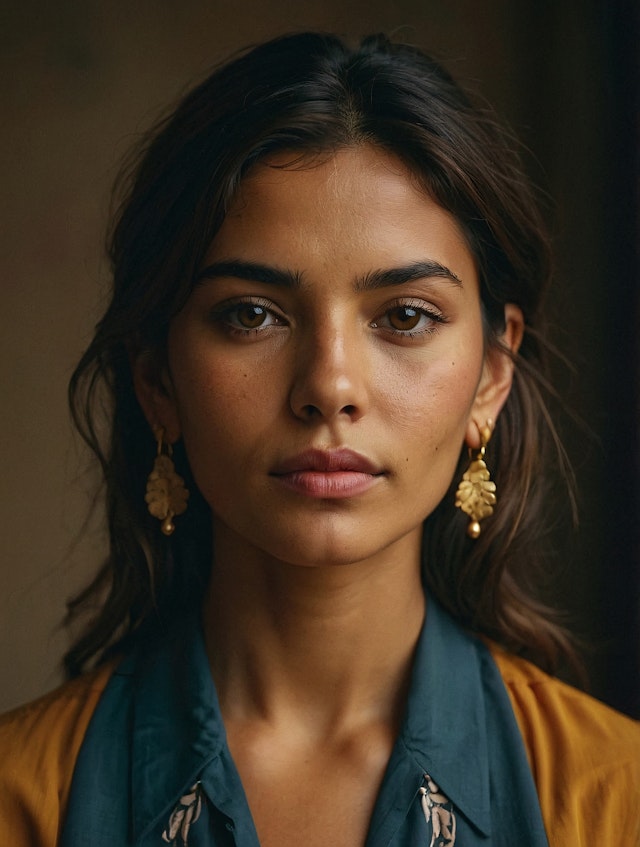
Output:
(82, 79)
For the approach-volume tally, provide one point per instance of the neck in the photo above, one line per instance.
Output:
(331, 645)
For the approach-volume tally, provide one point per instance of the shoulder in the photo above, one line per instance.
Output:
(580, 727)
(39, 744)
(585, 757)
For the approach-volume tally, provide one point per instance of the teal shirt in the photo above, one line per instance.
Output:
(155, 754)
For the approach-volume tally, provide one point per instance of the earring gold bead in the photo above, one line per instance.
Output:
(166, 494)
(476, 494)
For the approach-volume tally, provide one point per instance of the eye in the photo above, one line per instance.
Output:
(244, 317)
(409, 319)
(249, 315)
(404, 317)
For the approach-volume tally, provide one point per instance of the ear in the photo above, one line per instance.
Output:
(497, 376)
(154, 390)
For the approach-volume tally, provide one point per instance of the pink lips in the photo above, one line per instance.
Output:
(328, 473)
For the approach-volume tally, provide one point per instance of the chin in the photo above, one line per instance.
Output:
(338, 554)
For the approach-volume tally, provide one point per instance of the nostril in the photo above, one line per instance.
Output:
(311, 411)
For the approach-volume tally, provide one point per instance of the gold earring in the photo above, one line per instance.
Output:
(166, 494)
(476, 493)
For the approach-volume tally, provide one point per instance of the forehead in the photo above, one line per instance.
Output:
(360, 198)
(364, 174)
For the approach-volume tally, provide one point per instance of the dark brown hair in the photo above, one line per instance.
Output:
(311, 93)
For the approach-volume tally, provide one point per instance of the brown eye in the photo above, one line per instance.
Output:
(245, 318)
(404, 317)
(250, 315)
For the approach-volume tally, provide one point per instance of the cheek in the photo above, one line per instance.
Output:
(222, 406)
(435, 398)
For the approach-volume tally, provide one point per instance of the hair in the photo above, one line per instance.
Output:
(312, 94)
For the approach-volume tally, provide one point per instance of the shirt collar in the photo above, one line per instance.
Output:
(177, 727)
(445, 725)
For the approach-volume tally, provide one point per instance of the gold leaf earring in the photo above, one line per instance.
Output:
(166, 494)
(476, 494)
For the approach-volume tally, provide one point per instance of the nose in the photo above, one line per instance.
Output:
(330, 376)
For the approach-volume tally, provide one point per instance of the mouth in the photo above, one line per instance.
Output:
(329, 474)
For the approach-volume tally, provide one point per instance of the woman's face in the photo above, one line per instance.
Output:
(330, 363)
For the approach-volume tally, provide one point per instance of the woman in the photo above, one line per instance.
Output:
(325, 329)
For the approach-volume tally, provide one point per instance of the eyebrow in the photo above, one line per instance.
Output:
(252, 271)
(428, 269)
(255, 272)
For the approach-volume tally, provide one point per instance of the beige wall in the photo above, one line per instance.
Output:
(80, 80)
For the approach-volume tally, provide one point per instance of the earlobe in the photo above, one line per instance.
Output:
(153, 388)
(497, 375)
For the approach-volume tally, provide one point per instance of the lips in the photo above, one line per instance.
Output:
(328, 461)
(328, 474)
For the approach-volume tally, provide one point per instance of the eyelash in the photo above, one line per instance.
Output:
(223, 314)
(436, 318)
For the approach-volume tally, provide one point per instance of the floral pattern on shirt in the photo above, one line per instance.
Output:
(183, 816)
(438, 812)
